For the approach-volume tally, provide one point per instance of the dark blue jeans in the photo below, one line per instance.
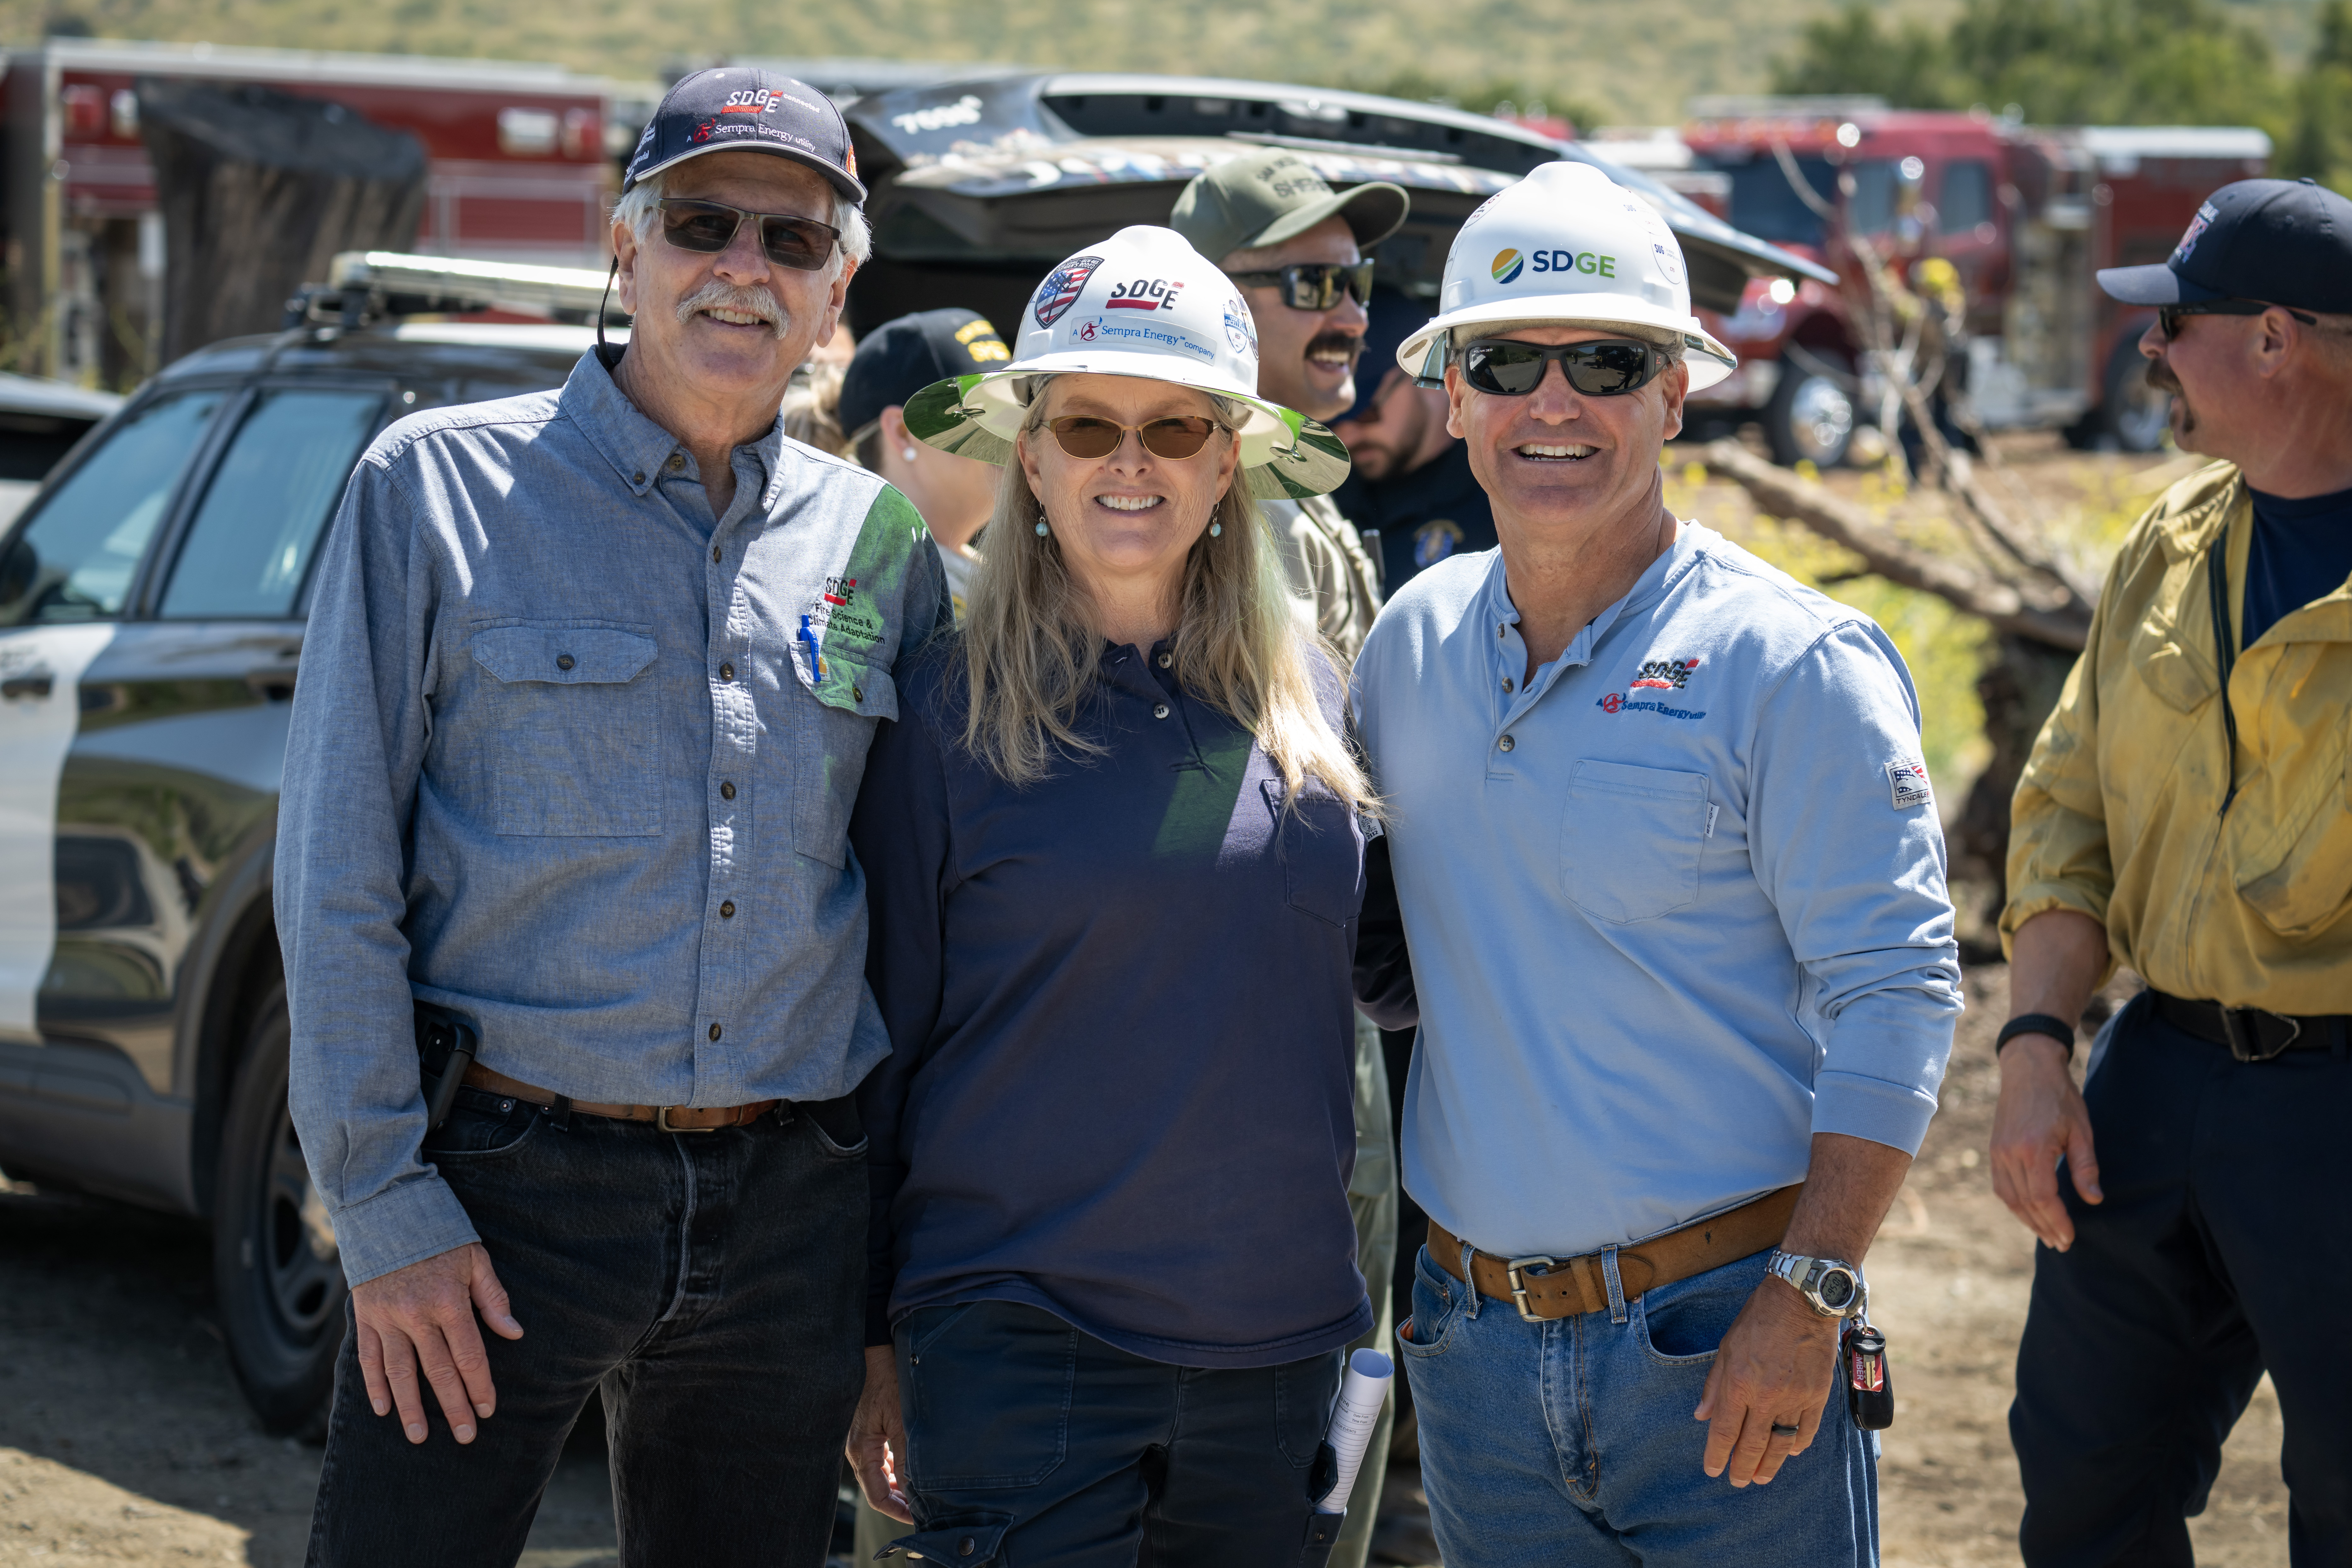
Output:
(2221, 1250)
(711, 1283)
(1030, 1445)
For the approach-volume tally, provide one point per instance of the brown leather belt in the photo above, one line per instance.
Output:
(1546, 1288)
(669, 1118)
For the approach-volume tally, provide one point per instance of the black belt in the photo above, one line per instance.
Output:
(2252, 1034)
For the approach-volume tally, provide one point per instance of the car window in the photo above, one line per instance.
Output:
(280, 480)
(1871, 209)
(73, 561)
(1968, 196)
(1764, 204)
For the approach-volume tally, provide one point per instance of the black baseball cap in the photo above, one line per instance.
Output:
(728, 108)
(2283, 242)
(901, 358)
(1394, 316)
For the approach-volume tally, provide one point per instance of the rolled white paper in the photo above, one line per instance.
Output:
(1361, 1392)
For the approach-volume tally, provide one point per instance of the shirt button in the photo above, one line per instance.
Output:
(965, 1547)
(564, 661)
(727, 910)
(714, 1031)
(1499, 631)
(677, 463)
(638, 477)
(726, 671)
(1507, 682)
(856, 693)
(1159, 710)
(1506, 743)
(1167, 659)
(726, 790)
(714, 555)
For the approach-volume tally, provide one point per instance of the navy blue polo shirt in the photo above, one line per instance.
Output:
(1120, 1085)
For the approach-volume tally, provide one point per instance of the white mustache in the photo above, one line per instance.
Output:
(719, 295)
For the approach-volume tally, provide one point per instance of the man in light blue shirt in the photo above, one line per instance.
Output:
(1673, 882)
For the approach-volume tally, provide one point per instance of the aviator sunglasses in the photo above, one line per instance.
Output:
(2168, 317)
(707, 228)
(1313, 284)
(1083, 435)
(1612, 367)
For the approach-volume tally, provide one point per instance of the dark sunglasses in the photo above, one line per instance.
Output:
(1612, 367)
(706, 228)
(2168, 317)
(1313, 284)
(1083, 435)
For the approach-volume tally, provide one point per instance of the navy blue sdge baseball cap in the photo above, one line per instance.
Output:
(898, 359)
(732, 108)
(2283, 242)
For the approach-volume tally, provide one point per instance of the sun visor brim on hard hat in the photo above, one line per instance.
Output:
(1567, 247)
(1142, 303)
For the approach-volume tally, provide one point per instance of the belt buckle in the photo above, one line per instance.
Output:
(661, 1120)
(1511, 1268)
(2242, 1028)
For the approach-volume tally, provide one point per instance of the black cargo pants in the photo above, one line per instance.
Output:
(2223, 1250)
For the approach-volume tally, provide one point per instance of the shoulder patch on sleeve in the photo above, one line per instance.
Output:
(1908, 776)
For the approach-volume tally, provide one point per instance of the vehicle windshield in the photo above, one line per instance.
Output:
(1766, 205)
(73, 561)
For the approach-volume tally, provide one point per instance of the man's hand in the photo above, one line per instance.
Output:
(1775, 1366)
(2039, 1117)
(423, 1315)
(878, 1436)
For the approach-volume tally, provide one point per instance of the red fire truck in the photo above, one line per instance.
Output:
(519, 170)
(2025, 214)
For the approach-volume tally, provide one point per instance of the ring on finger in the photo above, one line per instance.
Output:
(1782, 1430)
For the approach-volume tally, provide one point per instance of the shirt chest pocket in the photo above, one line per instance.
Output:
(1322, 851)
(829, 763)
(570, 728)
(1630, 841)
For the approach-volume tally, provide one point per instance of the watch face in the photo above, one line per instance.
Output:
(1836, 1289)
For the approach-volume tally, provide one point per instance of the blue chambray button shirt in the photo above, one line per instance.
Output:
(575, 760)
(1674, 906)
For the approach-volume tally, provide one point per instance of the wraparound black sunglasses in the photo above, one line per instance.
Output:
(2168, 317)
(1313, 284)
(1609, 367)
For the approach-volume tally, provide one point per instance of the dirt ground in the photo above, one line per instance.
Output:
(123, 1439)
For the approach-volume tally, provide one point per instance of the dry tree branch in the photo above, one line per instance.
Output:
(1783, 494)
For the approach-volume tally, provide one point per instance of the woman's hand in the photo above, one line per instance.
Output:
(877, 1438)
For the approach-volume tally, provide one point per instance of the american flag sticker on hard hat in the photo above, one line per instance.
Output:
(1908, 776)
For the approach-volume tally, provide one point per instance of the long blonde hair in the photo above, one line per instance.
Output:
(1029, 655)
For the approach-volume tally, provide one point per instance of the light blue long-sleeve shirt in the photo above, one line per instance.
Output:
(575, 759)
(1674, 906)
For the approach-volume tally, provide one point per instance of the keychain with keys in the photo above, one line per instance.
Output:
(1869, 1385)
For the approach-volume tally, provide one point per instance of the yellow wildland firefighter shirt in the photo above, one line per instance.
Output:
(2119, 814)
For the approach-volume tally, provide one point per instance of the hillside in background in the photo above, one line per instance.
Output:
(1628, 60)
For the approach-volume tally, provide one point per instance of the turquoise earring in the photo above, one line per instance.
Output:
(1041, 527)
(1216, 529)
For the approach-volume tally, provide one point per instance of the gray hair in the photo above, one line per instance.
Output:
(638, 207)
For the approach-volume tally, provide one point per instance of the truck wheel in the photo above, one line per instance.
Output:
(2136, 415)
(1811, 417)
(276, 1271)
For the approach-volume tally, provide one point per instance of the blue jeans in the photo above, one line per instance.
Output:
(1572, 1442)
(1030, 1445)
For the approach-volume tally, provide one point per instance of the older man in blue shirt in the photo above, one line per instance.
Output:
(1674, 886)
(585, 703)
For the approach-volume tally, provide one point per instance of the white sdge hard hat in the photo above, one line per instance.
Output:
(1142, 303)
(1568, 246)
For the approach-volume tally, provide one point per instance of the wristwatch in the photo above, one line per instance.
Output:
(1835, 1288)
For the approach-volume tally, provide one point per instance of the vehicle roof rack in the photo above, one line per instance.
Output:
(368, 286)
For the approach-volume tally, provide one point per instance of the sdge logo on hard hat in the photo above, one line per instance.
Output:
(1145, 294)
(1509, 265)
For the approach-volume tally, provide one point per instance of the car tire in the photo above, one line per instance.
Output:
(1812, 416)
(276, 1273)
(2132, 415)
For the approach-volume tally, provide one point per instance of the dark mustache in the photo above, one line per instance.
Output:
(1347, 343)
(2160, 377)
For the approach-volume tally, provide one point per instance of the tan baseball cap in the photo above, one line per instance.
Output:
(1268, 197)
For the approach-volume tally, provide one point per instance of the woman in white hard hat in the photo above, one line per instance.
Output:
(1114, 862)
